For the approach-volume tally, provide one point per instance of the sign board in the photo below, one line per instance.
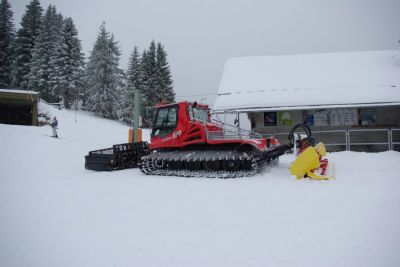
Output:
(336, 117)
(321, 117)
(350, 116)
(270, 119)
(310, 120)
(285, 118)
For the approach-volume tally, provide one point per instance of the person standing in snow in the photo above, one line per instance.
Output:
(54, 125)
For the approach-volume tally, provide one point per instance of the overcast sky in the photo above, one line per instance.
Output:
(200, 35)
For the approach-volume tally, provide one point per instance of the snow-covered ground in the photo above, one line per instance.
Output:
(53, 212)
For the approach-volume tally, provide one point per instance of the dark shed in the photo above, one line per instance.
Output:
(19, 107)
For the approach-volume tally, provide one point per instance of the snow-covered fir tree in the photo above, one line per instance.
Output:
(132, 83)
(155, 80)
(143, 87)
(7, 32)
(68, 62)
(44, 62)
(164, 75)
(142, 75)
(24, 42)
(103, 76)
(150, 93)
(124, 100)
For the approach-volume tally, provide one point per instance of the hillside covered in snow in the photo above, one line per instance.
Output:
(55, 213)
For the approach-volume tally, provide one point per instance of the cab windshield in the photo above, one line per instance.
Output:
(165, 121)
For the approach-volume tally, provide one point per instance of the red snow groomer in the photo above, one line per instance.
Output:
(186, 142)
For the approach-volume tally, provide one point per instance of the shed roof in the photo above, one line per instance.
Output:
(17, 91)
(310, 81)
(18, 97)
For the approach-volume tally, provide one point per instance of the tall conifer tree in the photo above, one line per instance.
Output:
(155, 80)
(144, 86)
(134, 70)
(24, 43)
(149, 79)
(7, 32)
(164, 75)
(103, 76)
(68, 62)
(43, 63)
(132, 83)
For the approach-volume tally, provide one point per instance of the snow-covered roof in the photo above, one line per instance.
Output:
(18, 91)
(310, 81)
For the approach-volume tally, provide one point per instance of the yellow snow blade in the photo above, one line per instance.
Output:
(315, 176)
(307, 161)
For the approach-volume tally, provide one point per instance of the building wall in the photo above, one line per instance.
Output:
(382, 118)
(388, 117)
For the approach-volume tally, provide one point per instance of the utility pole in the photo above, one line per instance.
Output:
(137, 118)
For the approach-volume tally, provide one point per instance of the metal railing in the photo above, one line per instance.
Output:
(367, 139)
(393, 140)
(343, 139)
(226, 131)
(339, 140)
(355, 138)
(58, 105)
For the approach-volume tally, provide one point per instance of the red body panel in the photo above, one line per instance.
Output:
(193, 132)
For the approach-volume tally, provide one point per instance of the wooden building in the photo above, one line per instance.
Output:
(350, 100)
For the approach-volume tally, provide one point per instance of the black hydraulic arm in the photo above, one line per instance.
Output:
(276, 152)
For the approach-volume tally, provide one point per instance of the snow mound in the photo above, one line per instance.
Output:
(55, 213)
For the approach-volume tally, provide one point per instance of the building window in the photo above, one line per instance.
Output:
(368, 116)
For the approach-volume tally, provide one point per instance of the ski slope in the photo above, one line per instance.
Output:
(53, 212)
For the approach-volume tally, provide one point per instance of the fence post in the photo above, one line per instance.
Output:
(390, 139)
(347, 140)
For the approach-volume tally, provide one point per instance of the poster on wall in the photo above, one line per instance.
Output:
(270, 119)
(336, 117)
(350, 116)
(285, 118)
(368, 116)
(321, 117)
(310, 120)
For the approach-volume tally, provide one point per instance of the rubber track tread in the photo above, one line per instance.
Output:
(148, 167)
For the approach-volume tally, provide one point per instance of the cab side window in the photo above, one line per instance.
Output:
(190, 110)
